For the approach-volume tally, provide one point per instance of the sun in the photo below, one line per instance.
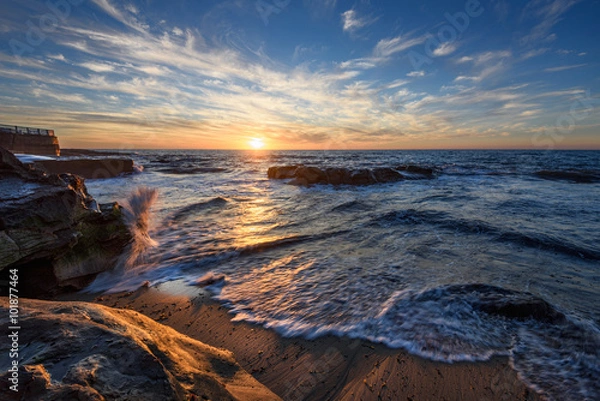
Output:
(257, 143)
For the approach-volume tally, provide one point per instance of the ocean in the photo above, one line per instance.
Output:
(497, 254)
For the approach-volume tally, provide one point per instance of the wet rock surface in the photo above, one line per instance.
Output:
(53, 230)
(304, 176)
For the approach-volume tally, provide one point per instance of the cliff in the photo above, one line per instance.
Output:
(30, 144)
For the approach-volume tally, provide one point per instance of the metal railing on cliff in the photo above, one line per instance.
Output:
(14, 129)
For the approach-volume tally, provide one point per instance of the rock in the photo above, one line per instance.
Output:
(363, 177)
(305, 176)
(385, 174)
(312, 175)
(338, 176)
(83, 351)
(299, 182)
(522, 308)
(580, 177)
(52, 230)
(87, 168)
(279, 173)
(508, 303)
(423, 171)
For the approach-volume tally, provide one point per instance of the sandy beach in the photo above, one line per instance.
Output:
(328, 368)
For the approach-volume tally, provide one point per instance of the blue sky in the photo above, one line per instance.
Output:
(304, 74)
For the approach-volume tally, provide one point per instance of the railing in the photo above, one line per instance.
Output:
(13, 129)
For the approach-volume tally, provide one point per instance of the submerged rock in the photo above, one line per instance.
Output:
(509, 304)
(581, 177)
(83, 351)
(305, 176)
(52, 230)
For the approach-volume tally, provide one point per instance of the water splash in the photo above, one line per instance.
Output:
(131, 265)
(137, 213)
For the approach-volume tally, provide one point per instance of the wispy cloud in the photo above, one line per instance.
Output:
(485, 65)
(548, 13)
(445, 49)
(564, 68)
(416, 74)
(390, 46)
(98, 67)
(352, 22)
(126, 17)
(534, 53)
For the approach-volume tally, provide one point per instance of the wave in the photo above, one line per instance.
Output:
(285, 242)
(351, 206)
(472, 226)
(555, 354)
(194, 208)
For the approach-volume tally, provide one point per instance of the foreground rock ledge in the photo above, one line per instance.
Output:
(83, 351)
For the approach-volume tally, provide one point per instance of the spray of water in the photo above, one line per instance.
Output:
(136, 213)
(137, 216)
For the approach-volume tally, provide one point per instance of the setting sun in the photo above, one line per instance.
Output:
(257, 143)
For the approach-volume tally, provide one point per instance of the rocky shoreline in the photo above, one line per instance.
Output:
(53, 230)
(153, 345)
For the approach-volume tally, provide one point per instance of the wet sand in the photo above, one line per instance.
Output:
(328, 368)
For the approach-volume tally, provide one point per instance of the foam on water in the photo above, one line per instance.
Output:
(555, 354)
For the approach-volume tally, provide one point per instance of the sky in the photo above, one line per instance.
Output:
(304, 74)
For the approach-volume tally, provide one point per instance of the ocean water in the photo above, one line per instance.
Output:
(498, 254)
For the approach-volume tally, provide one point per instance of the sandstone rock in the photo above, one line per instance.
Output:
(305, 176)
(384, 174)
(83, 351)
(52, 229)
(279, 173)
(338, 176)
(312, 175)
(363, 177)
